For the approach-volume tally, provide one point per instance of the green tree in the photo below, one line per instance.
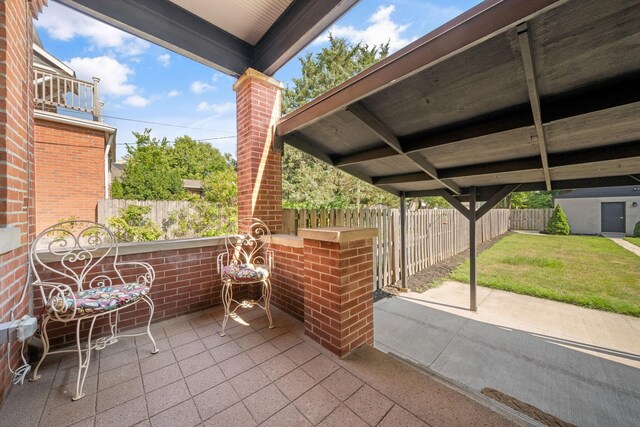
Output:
(195, 159)
(221, 187)
(201, 219)
(529, 200)
(133, 226)
(147, 174)
(636, 230)
(308, 182)
(558, 223)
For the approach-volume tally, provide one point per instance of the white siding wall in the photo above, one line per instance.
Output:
(584, 214)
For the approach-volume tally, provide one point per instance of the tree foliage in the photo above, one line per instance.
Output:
(132, 225)
(307, 182)
(636, 230)
(148, 175)
(558, 223)
(201, 219)
(155, 169)
(530, 200)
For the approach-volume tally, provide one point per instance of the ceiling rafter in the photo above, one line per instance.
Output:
(383, 132)
(529, 64)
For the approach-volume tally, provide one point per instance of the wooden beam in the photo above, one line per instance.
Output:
(453, 202)
(473, 270)
(376, 125)
(534, 96)
(495, 199)
(401, 179)
(555, 160)
(387, 136)
(365, 156)
(298, 26)
(165, 24)
(304, 144)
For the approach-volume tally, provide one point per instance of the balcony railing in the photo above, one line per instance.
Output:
(53, 91)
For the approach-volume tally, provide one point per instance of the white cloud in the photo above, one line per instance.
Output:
(137, 101)
(63, 23)
(199, 87)
(164, 59)
(114, 76)
(222, 108)
(174, 93)
(382, 29)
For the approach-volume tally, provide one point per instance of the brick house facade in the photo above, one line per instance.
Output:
(70, 168)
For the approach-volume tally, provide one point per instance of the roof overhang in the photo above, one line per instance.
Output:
(539, 94)
(228, 35)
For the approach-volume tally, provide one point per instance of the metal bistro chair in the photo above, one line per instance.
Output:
(247, 260)
(79, 247)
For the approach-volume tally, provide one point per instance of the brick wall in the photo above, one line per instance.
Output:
(69, 164)
(338, 300)
(287, 280)
(259, 167)
(16, 154)
(186, 281)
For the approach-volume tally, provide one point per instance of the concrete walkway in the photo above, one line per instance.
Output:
(627, 245)
(580, 365)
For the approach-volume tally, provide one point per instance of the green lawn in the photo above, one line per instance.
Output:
(634, 240)
(590, 271)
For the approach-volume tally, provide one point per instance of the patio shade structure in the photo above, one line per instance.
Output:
(513, 94)
(228, 35)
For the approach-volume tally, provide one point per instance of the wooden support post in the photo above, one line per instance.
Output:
(403, 239)
(472, 248)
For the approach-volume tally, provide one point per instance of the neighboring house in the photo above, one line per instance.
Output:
(73, 148)
(191, 185)
(602, 210)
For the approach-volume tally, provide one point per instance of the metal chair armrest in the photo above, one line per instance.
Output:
(60, 291)
(271, 259)
(145, 279)
(220, 261)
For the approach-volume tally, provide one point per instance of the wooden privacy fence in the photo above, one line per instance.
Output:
(160, 209)
(433, 235)
(530, 219)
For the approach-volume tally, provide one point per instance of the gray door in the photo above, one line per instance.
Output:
(613, 217)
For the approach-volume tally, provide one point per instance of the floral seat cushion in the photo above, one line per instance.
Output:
(244, 273)
(98, 300)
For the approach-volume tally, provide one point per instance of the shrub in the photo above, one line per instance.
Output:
(133, 226)
(636, 230)
(558, 223)
(201, 219)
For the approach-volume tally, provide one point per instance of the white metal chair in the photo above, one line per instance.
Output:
(79, 247)
(247, 260)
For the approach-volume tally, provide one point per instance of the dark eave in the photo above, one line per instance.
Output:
(168, 25)
(511, 94)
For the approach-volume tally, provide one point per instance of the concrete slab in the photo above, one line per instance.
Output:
(580, 365)
(627, 245)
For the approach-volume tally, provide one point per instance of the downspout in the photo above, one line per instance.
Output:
(107, 154)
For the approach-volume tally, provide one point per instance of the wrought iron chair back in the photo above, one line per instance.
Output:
(247, 259)
(249, 243)
(79, 246)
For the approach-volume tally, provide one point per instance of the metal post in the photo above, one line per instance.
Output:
(472, 248)
(403, 239)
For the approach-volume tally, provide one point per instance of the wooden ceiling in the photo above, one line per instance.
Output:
(543, 94)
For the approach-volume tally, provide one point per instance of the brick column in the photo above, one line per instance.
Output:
(17, 209)
(258, 99)
(338, 290)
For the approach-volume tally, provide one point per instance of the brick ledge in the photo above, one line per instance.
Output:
(337, 234)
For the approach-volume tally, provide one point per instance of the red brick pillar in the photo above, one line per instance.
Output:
(258, 99)
(338, 289)
(17, 205)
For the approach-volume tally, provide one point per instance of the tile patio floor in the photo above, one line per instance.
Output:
(254, 375)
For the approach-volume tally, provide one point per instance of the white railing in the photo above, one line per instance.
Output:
(52, 91)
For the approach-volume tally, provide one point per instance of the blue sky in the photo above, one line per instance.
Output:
(142, 81)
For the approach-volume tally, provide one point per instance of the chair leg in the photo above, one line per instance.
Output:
(45, 345)
(152, 308)
(266, 296)
(227, 296)
(83, 364)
